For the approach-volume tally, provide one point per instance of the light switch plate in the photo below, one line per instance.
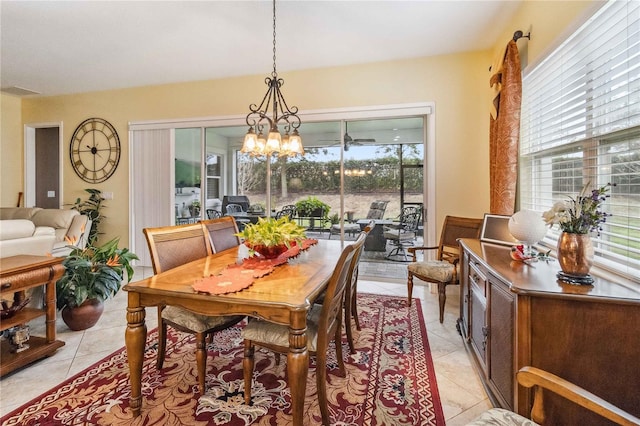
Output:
(107, 195)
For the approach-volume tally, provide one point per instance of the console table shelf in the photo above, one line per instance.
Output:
(17, 274)
(513, 315)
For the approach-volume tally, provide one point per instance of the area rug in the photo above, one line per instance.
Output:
(390, 381)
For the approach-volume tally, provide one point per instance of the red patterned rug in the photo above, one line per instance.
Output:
(390, 381)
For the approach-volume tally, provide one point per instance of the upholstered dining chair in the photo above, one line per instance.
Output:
(323, 325)
(543, 383)
(222, 233)
(444, 270)
(172, 246)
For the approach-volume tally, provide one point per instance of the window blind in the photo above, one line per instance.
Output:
(581, 124)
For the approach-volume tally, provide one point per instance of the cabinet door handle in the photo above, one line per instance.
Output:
(5, 286)
(485, 334)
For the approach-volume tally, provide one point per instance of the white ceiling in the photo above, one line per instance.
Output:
(62, 47)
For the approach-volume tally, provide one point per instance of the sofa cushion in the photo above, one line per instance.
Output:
(7, 213)
(58, 219)
(17, 228)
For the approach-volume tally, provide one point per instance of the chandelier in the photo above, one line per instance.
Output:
(255, 143)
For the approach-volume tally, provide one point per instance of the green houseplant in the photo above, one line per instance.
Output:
(312, 207)
(91, 208)
(93, 274)
(270, 237)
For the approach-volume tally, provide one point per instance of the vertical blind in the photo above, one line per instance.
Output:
(580, 125)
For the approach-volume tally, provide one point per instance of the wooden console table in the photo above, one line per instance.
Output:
(17, 274)
(513, 315)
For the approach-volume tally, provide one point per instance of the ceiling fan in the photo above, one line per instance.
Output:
(348, 140)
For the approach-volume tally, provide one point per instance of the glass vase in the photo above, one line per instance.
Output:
(575, 254)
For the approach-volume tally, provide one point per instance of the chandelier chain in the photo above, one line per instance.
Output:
(274, 74)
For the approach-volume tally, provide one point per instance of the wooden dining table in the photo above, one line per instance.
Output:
(284, 297)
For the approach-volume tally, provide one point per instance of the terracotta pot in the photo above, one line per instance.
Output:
(575, 254)
(270, 252)
(83, 316)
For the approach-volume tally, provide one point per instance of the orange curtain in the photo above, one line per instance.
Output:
(504, 131)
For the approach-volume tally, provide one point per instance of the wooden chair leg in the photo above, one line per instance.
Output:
(162, 344)
(201, 360)
(409, 288)
(247, 370)
(321, 384)
(442, 298)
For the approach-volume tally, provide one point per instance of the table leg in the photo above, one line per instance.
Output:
(298, 364)
(135, 337)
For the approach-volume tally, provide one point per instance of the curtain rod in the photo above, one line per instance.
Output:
(519, 34)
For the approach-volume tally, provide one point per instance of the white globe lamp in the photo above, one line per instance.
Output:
(528, 227)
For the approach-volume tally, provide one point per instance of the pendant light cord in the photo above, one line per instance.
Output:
(274, 74)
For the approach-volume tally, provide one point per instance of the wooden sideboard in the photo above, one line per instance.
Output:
(513, 314)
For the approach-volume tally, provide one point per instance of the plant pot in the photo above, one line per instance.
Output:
(270, 252)
(84, 316)
(575, 254)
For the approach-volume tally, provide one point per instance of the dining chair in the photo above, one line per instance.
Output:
(351, 293)
(444, 270)
(222, 233)
(545, 383)
(172, 246)
(323, 325)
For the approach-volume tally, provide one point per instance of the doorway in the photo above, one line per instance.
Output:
(43, 166)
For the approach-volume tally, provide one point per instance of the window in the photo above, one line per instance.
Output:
(581, 124)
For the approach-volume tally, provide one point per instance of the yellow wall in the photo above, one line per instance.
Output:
(11, 150)
(457, 83)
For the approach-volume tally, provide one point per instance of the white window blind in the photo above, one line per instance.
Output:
(581, 124)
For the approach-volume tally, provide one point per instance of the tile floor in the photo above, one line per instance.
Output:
(461, 391)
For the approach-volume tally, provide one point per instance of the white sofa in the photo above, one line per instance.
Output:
(29, 230)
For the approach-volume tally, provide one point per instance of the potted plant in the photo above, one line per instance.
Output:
(312, 207)
(91, 208)
(92, 275)
(271, 237)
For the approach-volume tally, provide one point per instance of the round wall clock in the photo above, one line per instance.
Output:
(95, 150)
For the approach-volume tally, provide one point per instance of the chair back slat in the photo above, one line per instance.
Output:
(172, 246)
(222, 233)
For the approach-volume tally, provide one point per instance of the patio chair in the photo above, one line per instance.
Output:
(172, 246)
(444, 270)
(289, 210)
(323, 325)
(376, 211)
(213, 214)
(404, 234)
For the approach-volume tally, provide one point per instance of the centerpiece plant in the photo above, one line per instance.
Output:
(270, 237)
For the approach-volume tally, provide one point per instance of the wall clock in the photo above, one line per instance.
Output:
(95, 150)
